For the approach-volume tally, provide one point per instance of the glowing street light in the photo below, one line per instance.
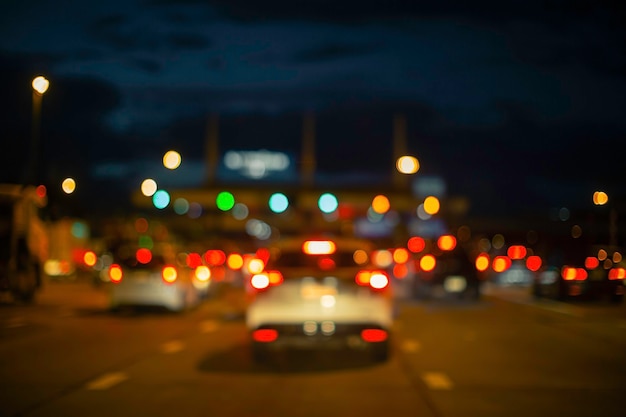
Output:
(149, 187)
(68, 185)
(407, 164)
(600, 198)
(171, 160)
(40, 85)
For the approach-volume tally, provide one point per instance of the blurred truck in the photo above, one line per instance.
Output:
(23, 240)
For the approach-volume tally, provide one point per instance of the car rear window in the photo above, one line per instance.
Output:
(157, 262)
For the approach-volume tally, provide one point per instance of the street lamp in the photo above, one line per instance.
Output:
(40, 85)
(600, 198)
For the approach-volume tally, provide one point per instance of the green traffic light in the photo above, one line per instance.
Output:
(225, 201)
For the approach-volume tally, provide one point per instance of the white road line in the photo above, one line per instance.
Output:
(172, 347)
(209, 326)
(106, 381)
(437, 381)
(410, 346)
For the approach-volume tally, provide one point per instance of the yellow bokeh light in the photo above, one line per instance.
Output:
(68, 185)
(600, 198)
(171, 160)
(40, 84)
(431, 205)
(148, 187)
(407, 164)
(380, 204)
(360, 257)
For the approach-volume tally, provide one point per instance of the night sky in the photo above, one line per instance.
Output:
(515, 104)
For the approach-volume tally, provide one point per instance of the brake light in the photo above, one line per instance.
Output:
(319, 247)
(446, 242)
(143, 255)
(516, 252)
(501, 263)
(378, 280)
(533, 263)
(591, 262)
(573, 274)
(234, 261)
(428, 263)
(617, 273)
(275, 277)
(169, 274)
(265, 335)
(374, 335)
(482, 262)
(90, 258)
(115, 273)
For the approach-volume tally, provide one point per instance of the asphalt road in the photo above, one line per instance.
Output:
(506, 355)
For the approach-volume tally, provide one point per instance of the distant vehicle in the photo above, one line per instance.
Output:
(151, 277)
(23, 240)
(446, 269)
(320, 293)
(599, 277)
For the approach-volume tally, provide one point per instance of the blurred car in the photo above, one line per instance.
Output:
(320, 293)
(593, 281)
(447, 270)
(145, 277)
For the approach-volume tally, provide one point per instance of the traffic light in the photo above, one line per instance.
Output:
(327, 203)
(278, 202)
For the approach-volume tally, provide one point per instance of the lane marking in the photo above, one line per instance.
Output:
(410, 346)
(437, 381)
(107, 381)
(172, 347)
(209, 326)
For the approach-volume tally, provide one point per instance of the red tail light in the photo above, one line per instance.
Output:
(169, 274)
(275, 277)
(573, 274)
(115, 273)
(378, 280)
(265, 335)
(617, 273)
(374, 335)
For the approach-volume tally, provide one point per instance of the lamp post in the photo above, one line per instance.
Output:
(600, 198)
(40, 85)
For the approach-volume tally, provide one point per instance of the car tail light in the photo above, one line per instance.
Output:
(115, 273)
(265, 335)
(378, 280)
(573, 274)
(446, 242)
(169, 274)
(319, 247)
(428, 263)
(533, 263)
(482, 262)
(275, 277)
(617, 273)
(374, 335)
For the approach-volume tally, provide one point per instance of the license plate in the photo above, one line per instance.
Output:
(312, 291)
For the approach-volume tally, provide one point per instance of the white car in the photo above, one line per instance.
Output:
(145, 277)
(320, 293)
